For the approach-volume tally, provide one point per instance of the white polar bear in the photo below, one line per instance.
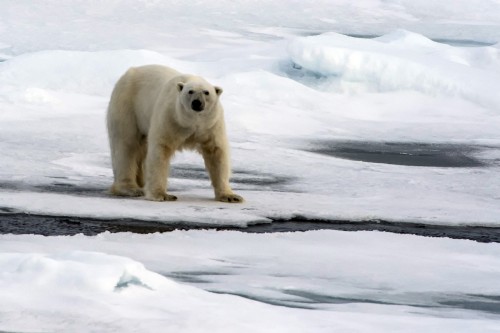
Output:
(153, 112)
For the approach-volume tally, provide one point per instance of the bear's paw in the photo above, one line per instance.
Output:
(161, 197)
(230, 198)
(126, 191)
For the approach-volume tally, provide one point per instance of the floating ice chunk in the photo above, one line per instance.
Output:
(76, 270)
(402, 61)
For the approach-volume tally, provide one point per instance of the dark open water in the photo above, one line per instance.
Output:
(21, 223)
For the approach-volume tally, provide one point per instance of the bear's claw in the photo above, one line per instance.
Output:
(231, 198)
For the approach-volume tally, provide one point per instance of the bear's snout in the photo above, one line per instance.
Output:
(197, 105)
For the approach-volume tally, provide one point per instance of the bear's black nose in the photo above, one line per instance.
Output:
(197, 105)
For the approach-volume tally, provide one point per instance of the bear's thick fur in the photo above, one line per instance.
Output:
(153, 112)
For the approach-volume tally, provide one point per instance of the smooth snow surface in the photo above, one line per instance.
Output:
(367, 110)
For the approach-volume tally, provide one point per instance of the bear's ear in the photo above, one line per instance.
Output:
(218, 90)
(180, 86)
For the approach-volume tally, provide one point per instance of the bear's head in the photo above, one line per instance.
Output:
(198, 95)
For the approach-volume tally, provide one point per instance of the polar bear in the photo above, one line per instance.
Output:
(155, 111)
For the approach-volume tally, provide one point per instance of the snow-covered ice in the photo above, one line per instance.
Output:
(281, 100)
(301, 79)
(327, 281)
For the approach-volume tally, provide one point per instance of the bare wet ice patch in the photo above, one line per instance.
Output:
(404, 153)
(315, 299)
(241, 179)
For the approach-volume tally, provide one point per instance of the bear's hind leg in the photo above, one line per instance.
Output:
(126, 155)
(125, 139)
(126, 170)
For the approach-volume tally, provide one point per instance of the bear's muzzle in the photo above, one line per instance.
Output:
(197, 105)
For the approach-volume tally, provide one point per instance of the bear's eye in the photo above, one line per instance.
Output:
(206, 92)
(190, 92)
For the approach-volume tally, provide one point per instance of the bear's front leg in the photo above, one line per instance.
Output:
(217, 163)
(157, 169)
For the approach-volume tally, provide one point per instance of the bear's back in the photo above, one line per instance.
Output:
(148, 82)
